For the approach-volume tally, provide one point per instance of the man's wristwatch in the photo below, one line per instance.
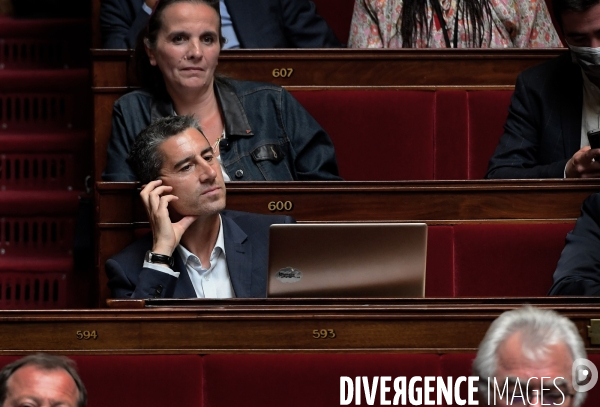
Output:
(156, 258)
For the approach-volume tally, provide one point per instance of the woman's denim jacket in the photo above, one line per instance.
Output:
(270, 136)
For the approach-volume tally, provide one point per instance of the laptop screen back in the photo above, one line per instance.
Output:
(347, 260)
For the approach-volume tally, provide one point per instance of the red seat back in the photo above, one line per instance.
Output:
(301, 380)
(506, 259)
(378, 135)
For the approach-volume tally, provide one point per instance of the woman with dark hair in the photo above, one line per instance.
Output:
(452, 24)
(257, 131)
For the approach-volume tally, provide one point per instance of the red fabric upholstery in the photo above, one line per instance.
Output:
(439, 276)
(451, 135)
(506, 259)
(338, 14)
(314, 380)
(487, 114)
(148, 380)
(455, 365)
(412, 135)
(593, 396)
(378, 135)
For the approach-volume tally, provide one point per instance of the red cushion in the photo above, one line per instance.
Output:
(301, 380)
(455, 365)
(378, 135)
(507, 259)
(593, 396)
(439, 278)
(451, 135)
(487, 114)
(144, 380)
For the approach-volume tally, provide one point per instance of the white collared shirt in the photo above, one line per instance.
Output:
(210, 282)
(590, 111)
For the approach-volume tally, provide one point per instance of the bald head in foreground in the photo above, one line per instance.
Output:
(41, 380)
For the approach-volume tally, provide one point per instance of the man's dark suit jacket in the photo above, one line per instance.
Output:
(246, 238)
(257, 23)
(543, 129)
(578, 270)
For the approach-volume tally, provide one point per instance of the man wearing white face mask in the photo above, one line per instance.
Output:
(555, 105)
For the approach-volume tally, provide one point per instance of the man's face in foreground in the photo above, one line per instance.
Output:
(31, 386)
(553, 365)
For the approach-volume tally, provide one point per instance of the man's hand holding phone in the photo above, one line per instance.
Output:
(166, 234)
(583, 165)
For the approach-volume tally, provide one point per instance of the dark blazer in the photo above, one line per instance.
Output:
(246, 238)
(543, 128)
(578, 270)
(257, 23)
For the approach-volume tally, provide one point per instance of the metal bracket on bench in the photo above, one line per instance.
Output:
(594, 331)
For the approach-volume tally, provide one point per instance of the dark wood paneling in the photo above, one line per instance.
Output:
(364, 67)
(228, 326)
(380, 201)
(120, 212)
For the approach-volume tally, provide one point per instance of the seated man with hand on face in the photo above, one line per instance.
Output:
(196, 249)
(529, 349)
(555, 105)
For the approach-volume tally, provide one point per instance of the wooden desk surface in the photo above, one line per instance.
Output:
(348, 67)
(118, 204)
(120, 213)
(271, 326)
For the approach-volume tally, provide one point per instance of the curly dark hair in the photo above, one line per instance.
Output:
(145, 158)
(150, 76)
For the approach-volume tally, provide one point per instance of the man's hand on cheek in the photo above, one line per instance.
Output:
(166, 234)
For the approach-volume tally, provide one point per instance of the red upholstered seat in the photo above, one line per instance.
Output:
(410, 135)
(378, 135)
(468, 125)
(451, 135)
(300, 380)
(439, 279)
(144, 380)
(487, 114)
(506, 259)
(457, 365)
(593, 396)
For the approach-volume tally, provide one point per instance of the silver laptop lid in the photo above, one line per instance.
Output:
(347, 260)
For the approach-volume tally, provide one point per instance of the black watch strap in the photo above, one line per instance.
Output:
(161, 259)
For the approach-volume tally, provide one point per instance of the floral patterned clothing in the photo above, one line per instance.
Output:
(514, 23)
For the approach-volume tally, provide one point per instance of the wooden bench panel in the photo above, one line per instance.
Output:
(549, 207)
(275, 326)
(352, 67)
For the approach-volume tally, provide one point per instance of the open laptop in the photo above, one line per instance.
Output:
(347, 260)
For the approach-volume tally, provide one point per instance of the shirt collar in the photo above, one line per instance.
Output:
(236, 121)
(590, 86)
(219, 244)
